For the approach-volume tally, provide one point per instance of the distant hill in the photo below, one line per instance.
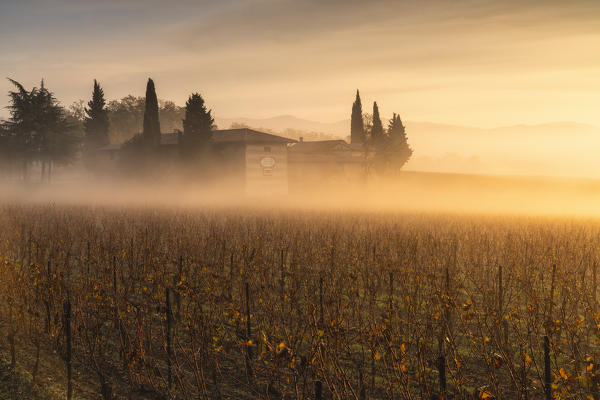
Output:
(555, 149)
(282, 123)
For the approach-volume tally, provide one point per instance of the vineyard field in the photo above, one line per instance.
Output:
(241, 303)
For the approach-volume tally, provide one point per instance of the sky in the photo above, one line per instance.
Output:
(482, 63)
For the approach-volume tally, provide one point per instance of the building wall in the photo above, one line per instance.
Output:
(306, 174)
(266, 169)
(230, 168)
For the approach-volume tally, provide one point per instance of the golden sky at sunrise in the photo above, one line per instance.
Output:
(481, 63)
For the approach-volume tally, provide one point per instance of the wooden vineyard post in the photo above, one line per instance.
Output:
(29, 250)
(67, 316)
(444, 330)
(115, 311)
(547, 372)
(362, 394)
(168, 334)
(442, 372)
(178, 292)
(49, 299)
(231, 259)
(282, 277)
(321, 317)
(523, 391)
(11, 340)
(594, 285)
(318, 390)
(321, 302)
(88, 260)
(550, 302)
(131, 259)
(391, 294)
(503, 324)
(248, 335)
(500, 291)
(447, 315)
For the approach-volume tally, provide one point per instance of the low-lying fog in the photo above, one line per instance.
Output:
(411, 191)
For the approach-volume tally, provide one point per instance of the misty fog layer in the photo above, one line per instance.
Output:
(410, 192)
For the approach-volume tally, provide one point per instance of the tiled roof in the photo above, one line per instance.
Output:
(247, 136)
(320, 146)
(243, 135)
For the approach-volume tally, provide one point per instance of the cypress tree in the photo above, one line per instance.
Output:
(96, 120)
(357, 128)
(197, 124)
(377, 134)
(399, 149)
(396, 129)
(151, 132)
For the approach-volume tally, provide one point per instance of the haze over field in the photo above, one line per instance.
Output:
(549, 149)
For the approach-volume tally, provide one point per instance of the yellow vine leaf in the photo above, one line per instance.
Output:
(563, 374)
(589, 367)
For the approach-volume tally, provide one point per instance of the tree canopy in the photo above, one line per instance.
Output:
(386, 150)
(38, 129)
(198, 123)
(377, 134)
(357, 128)
(96, 120)
(126, 116)
(399, 149)
(151, 126)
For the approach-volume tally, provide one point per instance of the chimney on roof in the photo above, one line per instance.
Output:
(301, 139)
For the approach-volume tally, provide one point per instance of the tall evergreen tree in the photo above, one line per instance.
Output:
(396, 129)
(20, 128)
(377, 134)
(357, 128)
(96, 120)
(399, 149)
(151, 132)
(197, 124)
(39, 129)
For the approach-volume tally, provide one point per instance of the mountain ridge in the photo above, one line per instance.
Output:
(342, 128)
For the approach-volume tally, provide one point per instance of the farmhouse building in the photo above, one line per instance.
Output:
(252, 161)
(258, 163)
(324, 162)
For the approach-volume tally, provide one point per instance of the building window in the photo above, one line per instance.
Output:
(267, 149)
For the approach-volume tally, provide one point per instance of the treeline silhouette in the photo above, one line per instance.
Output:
(389, 148)
(40, 131)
